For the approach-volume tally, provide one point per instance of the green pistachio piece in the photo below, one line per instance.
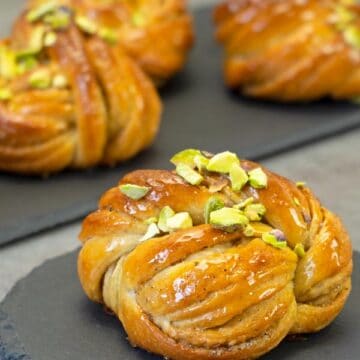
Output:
(271, 239)
(201, 162)
(138, 19)
(186, 157)
(58, 20)
(352, 36)
(300, 184)
(35, 43)
(151, 232)
(214, 203)
(38, 12)
(151, 220)
(8, 68)
(109, 35)
(299, 250)
(165, 213)
(223, 162)
(228, 218)
(179, 221)
(296, 201)
(50, 39)
(26, 64)
(254, 212)
(5, 94)
(40, 79)
(257, 178)
(86, 25)
(134, 192)
(244, 203)
(249, 231)
(238, 177)
(189, 174)
(60, 81)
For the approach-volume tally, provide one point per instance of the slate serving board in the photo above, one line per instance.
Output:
(47, 316)
(199, 112)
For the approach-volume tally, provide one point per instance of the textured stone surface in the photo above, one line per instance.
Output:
(331, 168)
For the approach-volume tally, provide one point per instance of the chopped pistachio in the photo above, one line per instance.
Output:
(228, 218)
(201, 162)
(40, 79)
(134, 192)
(300, 184)
(86, 25)
(108, 35)
(165, 213)
(299, 250)
(352, 36)
(244, 203)
(35, 43)
(257, 178)
(254, 212)
(223, 162)
(26, 64)
(185, 157)
(179, 221)
(5, 94)
(138, 19)
(59, 81)
(151, 232)
(296, 201)
(271, 239)
(151, 220)
(214, 203)
(249, 231)
(50, 38)
(38, 12)
(8, 68)
(58, 20)
(189, 174)
(238, 177)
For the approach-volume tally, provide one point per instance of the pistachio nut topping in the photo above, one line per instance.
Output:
(352, 36)
(5, 94)
(60, 81)
(300, 184)
(36, 43)
(249, 231)
(299, 250)
(26, 63)
(40, 79)
(255, 212)
(138, 19)
(151, 220)
(108, 35)
(238, 177)
(179, 221)
(296, 201)
(186, 157)
(8, 67)
(223, 162)
(40, 11)
(166, 213)
(201, 162)
(244, 203)
(85, 24)
(134, 192)
(257, 178)
(50, 39)
(214, 203)
(59, 19)
(271, 239)
(275, 238)
(228, 218)
(151, 232)
(189, 174)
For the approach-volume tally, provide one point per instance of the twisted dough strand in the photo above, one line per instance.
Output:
(203, 293)
(291, 50)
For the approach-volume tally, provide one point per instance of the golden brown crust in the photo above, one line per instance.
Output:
(203, 293)
(109, 109)
(290, 50)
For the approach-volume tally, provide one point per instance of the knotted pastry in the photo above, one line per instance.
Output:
(216, 260)
(291, 50)
(76, 81)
